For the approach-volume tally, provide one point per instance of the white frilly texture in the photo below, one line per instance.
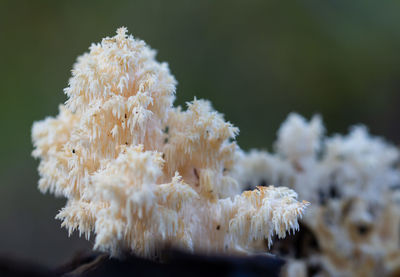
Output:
(139, 173)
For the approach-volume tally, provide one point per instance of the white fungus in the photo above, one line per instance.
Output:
(352, 182)
(139, 173)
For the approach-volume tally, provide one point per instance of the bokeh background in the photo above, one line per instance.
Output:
(256, 61)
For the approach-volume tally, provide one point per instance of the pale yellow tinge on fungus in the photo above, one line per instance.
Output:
(139, 173)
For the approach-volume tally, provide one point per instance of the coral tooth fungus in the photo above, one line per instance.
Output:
(139, 172)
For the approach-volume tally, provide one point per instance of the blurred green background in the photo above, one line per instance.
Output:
(255, 60)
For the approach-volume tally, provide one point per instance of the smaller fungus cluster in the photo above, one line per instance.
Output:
(352, 227)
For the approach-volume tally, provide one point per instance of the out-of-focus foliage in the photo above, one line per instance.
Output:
(255, 60)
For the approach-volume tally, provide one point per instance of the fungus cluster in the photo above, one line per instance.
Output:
(352, 227)
(139, 173)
